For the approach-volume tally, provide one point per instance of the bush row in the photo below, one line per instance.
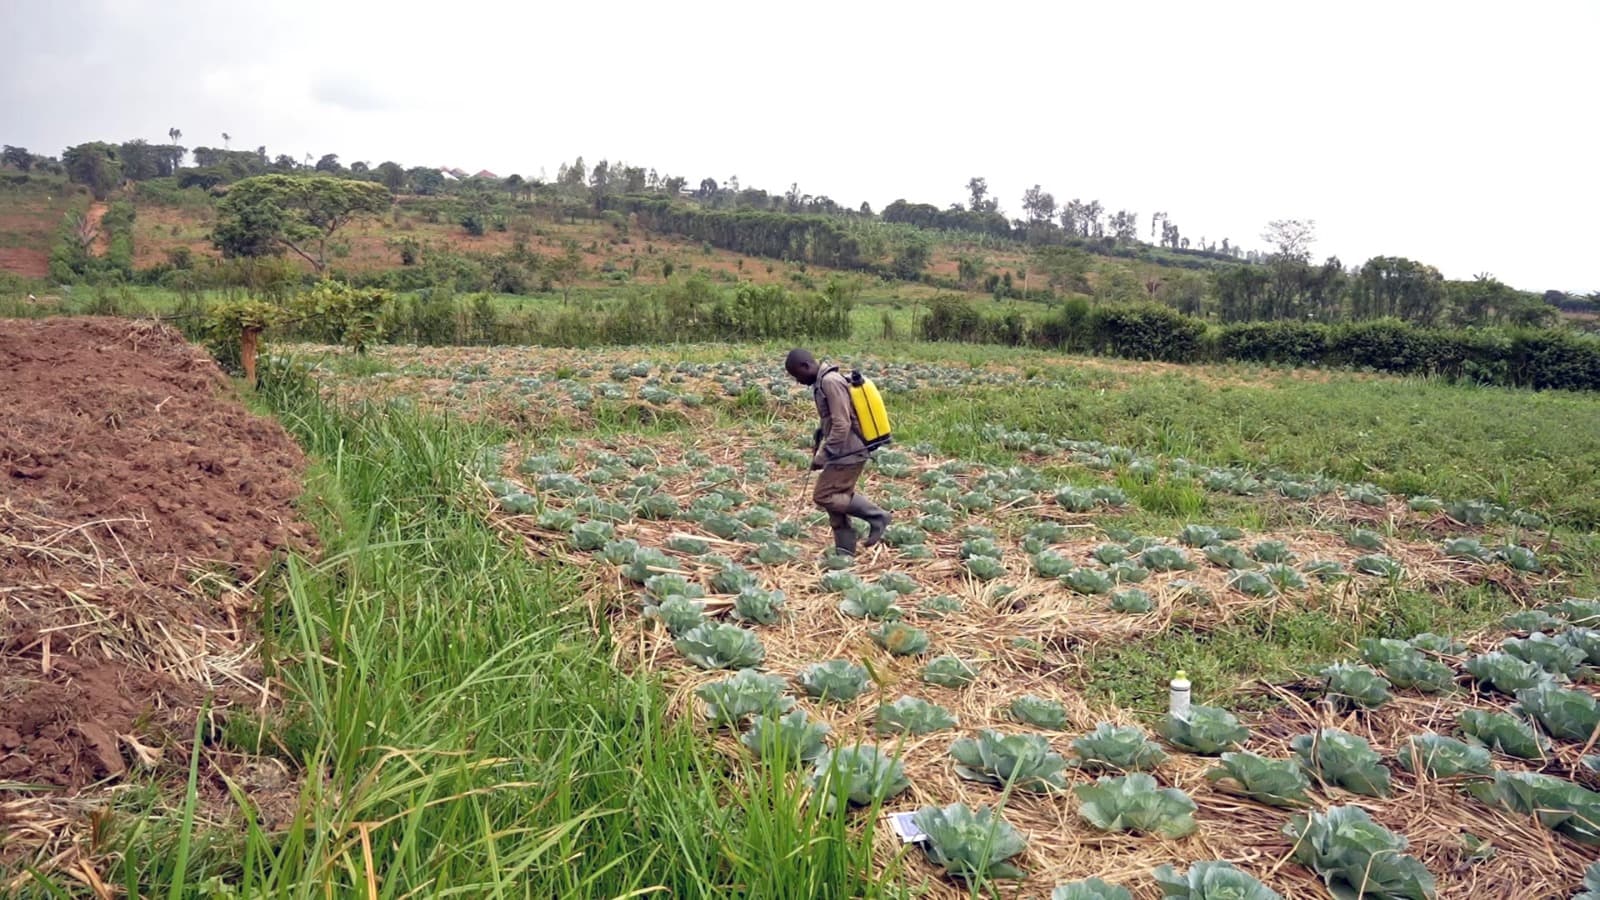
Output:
(1536, 358)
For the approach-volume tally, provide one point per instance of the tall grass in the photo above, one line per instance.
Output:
(458, 725)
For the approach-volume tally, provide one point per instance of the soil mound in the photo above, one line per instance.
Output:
(138, 499)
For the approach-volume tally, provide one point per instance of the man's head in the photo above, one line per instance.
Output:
(802, 365)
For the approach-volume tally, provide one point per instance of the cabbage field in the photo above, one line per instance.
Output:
(1393, 675)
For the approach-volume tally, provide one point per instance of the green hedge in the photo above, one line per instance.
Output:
(1545, 358)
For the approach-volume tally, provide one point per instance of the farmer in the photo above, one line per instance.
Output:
(839, 452)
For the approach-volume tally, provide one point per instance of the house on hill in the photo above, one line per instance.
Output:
(485, 173)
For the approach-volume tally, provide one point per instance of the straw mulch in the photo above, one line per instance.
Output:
(1025, 642)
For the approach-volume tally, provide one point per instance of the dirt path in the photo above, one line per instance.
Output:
(138, 498)
(97, 214)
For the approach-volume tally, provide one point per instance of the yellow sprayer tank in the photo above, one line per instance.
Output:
(870, 411)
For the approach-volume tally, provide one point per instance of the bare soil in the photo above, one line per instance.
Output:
(138, 500)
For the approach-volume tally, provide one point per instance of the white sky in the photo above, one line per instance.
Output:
(1449, 132)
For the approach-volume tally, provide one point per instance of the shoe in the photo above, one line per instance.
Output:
(877, 519)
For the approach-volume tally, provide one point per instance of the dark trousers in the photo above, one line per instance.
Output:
(836, 486)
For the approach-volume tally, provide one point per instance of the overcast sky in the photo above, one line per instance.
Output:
(1457, 133)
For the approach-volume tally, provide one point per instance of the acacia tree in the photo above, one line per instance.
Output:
(268, 214)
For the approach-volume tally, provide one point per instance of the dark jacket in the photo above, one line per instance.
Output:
(841, 437)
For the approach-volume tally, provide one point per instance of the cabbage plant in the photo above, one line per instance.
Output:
(1132, 600)
(748, 693)
(669, 585)
(794, 739)
(1467, 548)
(678, 613)
(1122, 748)
(1023, 760)
(1364, 539)
(1344, 759)
(1040, 712)
(1443, 757)
(971, 845)
(1211, 881)
(1377, 564)
(1428, 642)
(985, 568)
(1549, 654)
(901, 639)
(860, 774)
(1584, 613)
(1109, 554)
(1251, 584)
(721, 646)
(1585, 641)
(1591, 883)
(620, 553)
(1559, 805)
(732, 578)
(1090, 889)
(838, 680)
(1162, 558)
(756, 605)
(1357, 684)
(1050, 564)
(1198, 536)
(1357, 857)
(591, 536)
(1531, 620)
(1520, 558)
(1228, 556)
(949, 671)
(1275, 782)
(1505, 673)
(1271, 552)
(647, 562)
(1136, 803)
(1087, 581)
(1503, 733)
(869, 602)
(1127, 573)
(912, 715)
(1568, 714)
(1207, 730)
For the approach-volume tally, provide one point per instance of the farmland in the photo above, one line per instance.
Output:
(541, 572)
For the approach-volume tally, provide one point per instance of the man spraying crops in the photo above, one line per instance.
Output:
(839, 451)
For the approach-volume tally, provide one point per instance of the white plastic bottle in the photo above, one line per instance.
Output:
(1178, 696)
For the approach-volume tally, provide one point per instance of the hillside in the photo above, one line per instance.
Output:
(172, 228)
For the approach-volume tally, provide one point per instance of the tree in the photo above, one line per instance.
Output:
(1292, 237)
(424, 180)
(225, 139)
(95, 166)
(981, 202)
(391, 175)
(174, 135)
(329, 163)
(672, 185)
(265, 215)
(16, 156)
(1064, 267)
(1040, 205)
(1092, 227)
(1125, 226)
(565, 269)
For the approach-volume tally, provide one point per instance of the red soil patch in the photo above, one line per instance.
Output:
(137, 497)
(25, 262)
